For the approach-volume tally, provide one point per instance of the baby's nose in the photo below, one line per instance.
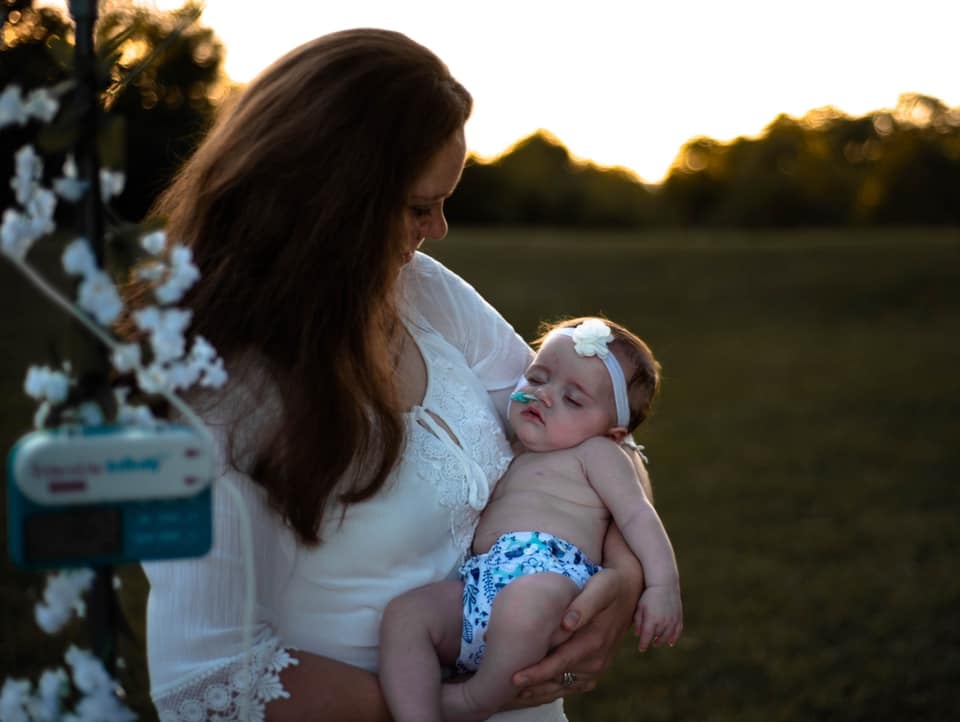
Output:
(543, 395)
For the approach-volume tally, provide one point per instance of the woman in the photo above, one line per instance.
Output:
(363, 423)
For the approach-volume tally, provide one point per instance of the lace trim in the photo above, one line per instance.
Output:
(480, 436)
(219, 695)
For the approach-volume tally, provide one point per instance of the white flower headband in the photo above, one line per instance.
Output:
(590, 338)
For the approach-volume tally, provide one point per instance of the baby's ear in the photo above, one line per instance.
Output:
(617, 433)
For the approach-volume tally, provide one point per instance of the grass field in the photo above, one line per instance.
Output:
(804, 455)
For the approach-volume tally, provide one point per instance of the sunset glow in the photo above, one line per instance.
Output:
(627, 83)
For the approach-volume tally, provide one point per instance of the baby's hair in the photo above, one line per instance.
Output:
(644, 384)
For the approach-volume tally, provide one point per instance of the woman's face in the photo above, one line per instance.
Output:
(423, 216)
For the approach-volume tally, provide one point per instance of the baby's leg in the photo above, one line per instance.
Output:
(525, 615)
(420, 630)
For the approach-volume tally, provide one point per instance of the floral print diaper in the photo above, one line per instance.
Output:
(512, 556)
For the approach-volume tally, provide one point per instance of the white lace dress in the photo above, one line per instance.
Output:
(329, 600)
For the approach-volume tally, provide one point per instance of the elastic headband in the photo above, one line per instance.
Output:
(590, 338)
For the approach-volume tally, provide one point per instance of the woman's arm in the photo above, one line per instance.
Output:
(324, 689)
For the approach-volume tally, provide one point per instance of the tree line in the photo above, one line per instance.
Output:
(163, 81)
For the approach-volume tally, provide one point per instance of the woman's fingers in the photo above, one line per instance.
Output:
(601, 591)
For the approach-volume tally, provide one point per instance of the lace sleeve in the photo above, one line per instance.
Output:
(199, 669)
(236, 689)
(491, 347)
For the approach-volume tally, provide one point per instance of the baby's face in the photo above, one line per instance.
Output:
(574, 399)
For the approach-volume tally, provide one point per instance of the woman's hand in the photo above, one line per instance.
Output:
(592, 626)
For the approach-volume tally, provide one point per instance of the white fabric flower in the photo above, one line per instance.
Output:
(133, 414)
(16, 234)
(88, 673)
(591, 337)
(98, 296)
(182, 375)
(40, 210)
(111, 183)
(41, 104)
(61, 598)
(88, 413)
(68, 186)
(11, 107)
(154, 242)
(152, 271)
(126, 357)
(152, 379)
(78, 258)
(214, 375)
(183, 274)
(14, 697)
(45, 384)
(166, 329)
(27, 173)
(45, 705)
(100, 701)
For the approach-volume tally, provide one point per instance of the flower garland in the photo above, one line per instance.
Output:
(165, 365)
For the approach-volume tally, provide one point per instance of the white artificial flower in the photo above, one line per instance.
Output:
(78, 258)
(98, 296)
(14, 698)
(46, 384)
(154, 242)
(28, 170)
(99, 702)
(11, 107)
(68, 186)
(16, 234)
(111, 183)
(183, 274)
(126, 357)
(41, 104)
(134, 415)
(591, 337)
(202, 350)
(152, 379)
(137, 415)
(40, 209)
(104, 706)
(88, 673)
(88, 413)
(214, 375)
(46, 704)
(61, 598)
(166, 329)
(182, 375)
(152, 271)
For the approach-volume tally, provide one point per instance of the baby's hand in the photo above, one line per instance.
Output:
(659, 617)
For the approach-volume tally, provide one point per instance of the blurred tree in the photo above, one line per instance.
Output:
(162, 80)
(900, 166)
(165, 84)
(537, 182)
(696, 183)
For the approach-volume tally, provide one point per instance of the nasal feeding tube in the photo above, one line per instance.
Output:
(522, 397)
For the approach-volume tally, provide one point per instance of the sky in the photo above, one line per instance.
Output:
(626, 83)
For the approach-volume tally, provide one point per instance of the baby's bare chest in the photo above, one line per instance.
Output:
(555, 474)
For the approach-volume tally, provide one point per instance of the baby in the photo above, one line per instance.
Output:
(590, 384)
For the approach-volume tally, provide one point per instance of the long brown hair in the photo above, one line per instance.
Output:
(293, 206)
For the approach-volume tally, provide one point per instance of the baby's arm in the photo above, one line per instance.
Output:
(613, 475)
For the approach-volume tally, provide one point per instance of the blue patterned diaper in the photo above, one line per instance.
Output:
(512, 556)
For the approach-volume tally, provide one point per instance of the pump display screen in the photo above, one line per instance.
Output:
(80, 532)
